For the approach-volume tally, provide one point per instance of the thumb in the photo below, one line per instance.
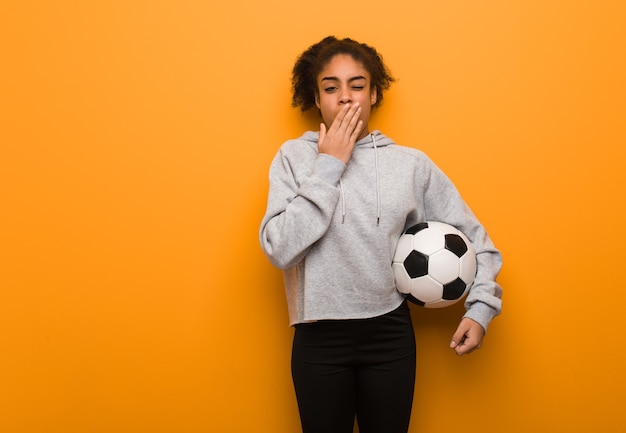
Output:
(322, 133)
(459, 336)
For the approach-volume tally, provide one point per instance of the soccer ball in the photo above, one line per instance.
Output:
(434, 264)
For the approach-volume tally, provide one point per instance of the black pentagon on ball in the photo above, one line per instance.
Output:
(453, 290)
(416, 264)
(456, 244)
(416, 228)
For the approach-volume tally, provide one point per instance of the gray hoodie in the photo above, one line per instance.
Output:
(333, 227)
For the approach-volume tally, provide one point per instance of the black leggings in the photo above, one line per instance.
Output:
(363, 368)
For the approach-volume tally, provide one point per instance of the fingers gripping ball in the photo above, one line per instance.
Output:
(434, 264)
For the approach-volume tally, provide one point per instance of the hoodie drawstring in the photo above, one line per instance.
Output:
(377, 181)
(343, 200)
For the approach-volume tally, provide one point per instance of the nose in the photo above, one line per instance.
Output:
(346, 97)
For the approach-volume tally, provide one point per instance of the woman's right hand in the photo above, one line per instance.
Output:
(340, 138)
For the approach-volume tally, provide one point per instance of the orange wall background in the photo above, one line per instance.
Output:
(135, 142)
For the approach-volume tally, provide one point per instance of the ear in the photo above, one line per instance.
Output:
(317, 100)
(373, 95)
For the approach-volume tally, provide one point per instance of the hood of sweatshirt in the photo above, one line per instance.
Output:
(375, 140)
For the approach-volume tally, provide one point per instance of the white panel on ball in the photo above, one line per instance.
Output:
(428, 241)
(429, 290)
(403, 281)
(443, 266)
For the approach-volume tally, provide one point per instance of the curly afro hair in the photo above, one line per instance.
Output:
(312, 61)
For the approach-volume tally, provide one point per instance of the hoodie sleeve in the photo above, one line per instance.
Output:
(443, 202)
(303, 195)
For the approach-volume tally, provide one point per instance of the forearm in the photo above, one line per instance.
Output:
(298, 216)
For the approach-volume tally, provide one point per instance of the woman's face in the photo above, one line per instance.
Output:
(344, 81)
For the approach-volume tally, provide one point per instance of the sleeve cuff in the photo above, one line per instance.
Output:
(328, 168)
(481, 313)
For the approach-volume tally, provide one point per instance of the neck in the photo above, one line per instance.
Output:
(364, 132)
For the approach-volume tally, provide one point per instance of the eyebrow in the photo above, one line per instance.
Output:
(358, 77)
